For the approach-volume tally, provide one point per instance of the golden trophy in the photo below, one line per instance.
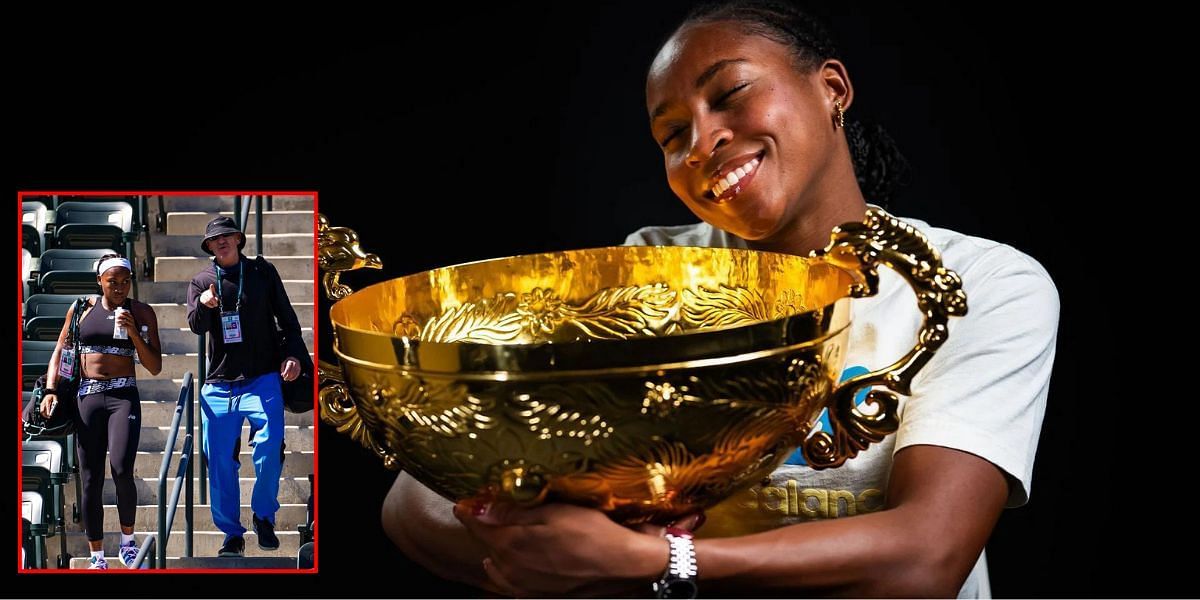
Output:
(647, 382)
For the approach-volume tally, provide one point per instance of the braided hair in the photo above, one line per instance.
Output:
(880, 168)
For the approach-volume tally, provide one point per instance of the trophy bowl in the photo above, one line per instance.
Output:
(647, 382)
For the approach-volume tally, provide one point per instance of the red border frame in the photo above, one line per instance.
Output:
(21, 194)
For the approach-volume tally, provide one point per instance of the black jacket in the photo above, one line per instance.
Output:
(264, 301)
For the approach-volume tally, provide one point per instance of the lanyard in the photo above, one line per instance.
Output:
(220, 296)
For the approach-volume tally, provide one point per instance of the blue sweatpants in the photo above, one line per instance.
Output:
(226, 405)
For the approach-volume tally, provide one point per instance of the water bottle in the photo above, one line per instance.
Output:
(118, 331)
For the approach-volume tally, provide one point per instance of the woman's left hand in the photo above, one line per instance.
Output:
(290, 369)
(563, 549)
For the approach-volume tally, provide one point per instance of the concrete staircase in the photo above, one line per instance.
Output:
(288, 244)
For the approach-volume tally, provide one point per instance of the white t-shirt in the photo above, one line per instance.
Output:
(983, 392)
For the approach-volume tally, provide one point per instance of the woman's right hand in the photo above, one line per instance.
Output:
(49, 401)
(209, 297)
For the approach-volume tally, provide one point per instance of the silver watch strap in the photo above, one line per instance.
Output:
(683, 557)
(679, 580)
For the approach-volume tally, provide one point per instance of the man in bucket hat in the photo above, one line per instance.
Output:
(238, 301)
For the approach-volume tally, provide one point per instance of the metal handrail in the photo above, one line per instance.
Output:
(166, 515)
(160, 222)
(202, 369)
(148, 259)
(258, 202)
(146, 552)
(241, 210)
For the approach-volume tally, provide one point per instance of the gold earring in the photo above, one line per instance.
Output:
(840, 121)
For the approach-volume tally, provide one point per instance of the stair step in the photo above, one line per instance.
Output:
(183, 341)
(155, 438)
(274, 244)
(292, 202)
(287, 518)
(214, 203)
(192, 203)
(226, 562)
(175, 292)
(215, 562)
(163, 389)
(204, 544)
(295, 464)
(174, 316)
(160, 414)
(279, 221)
(291, 491)
(173, 368)
(82, 563)
(184, 268)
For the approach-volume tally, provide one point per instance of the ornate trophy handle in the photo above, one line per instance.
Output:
(860, 248)
(338, 252)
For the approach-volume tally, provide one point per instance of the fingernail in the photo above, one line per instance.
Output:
(687, 523)
(700, 519)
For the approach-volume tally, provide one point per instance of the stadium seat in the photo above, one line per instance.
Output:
(32, 507)
(70, 271)
(139, 205)
(33, 227)
(44, 470)
(88, 225)
(45, 315)
(26, 269)
(35, 360)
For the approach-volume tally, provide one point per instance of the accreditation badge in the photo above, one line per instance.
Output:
(231, 327)
(66, 363)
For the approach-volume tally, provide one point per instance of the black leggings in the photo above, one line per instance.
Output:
(109, 422)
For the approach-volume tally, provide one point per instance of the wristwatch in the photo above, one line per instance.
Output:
(679, 580)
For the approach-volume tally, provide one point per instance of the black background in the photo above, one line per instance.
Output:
(444, 135)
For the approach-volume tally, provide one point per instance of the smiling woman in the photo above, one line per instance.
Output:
(752, 121)
(749, 102)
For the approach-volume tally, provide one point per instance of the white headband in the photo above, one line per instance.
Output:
(113, 262)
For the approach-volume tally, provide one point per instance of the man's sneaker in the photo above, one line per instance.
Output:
(129, 554)
(97, 562)
(233, 546)
(265, 531)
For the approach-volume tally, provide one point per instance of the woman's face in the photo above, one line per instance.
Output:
(114, 283)
(722, 101)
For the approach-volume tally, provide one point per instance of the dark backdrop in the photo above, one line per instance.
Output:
(450, 135)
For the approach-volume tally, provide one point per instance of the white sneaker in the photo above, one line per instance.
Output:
(97, 562)
(129, 554)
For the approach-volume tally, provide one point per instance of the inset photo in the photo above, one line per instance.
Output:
(166, 364)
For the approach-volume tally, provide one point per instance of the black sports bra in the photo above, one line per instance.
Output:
(96, 332)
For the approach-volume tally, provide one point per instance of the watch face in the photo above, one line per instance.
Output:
(678, 588)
